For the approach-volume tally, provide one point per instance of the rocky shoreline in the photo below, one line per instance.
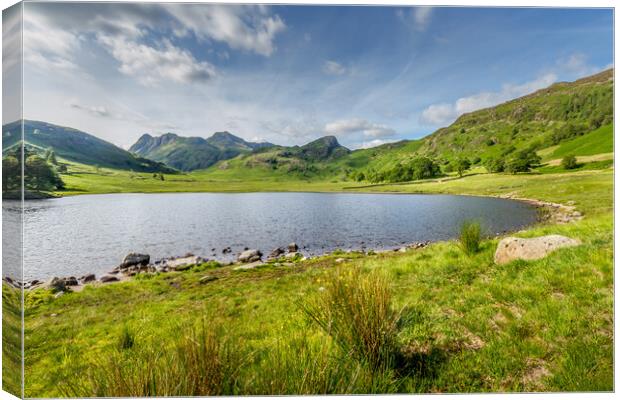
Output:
(137, 263)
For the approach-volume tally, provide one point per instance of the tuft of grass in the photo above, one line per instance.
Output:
(470, 237)
(355, 309)
(201, 363)
(127, 338)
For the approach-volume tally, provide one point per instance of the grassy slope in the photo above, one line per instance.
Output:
(472, 325)
(599, 141)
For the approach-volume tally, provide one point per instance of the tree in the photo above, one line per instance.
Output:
(40, 176)
(50, 156)
(569, 162)
(495, 165)
(461, 165)
(524, 161)
(11, 173)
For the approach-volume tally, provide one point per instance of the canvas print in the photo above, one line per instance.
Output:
(244, 199)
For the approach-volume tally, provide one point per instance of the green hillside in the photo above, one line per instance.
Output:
(191, 153)
(599, 141)
(564, 118)
(74, 145)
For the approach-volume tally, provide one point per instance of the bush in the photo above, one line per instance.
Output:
(495, 165)
(569, 162)
(356, 311)
(470, 237)
(524, 161)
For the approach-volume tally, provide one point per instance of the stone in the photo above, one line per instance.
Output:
(58, 294)
(249, 266)
(71, 281)
(56, 284)
(132, 259)
(108, 278)
(293, 248)
(512, 248)
(207, 279)
(291, 255)
(184, 263)
(249, 256)
(88, 278)
(275, 253)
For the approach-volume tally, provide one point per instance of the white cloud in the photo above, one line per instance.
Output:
(48, 47)
(245, 27)
(576, 64)
(98, 111)
(356, 125)
(150, 65)
(446, 113)
(373, 143)
(333, 68)
(418, 17)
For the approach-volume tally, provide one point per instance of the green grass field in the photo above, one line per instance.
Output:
(451, 322)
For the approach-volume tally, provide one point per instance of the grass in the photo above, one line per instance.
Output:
(599, 141)
(470, 237)
(464, 324)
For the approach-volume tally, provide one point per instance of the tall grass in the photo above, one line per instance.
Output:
(470, 237)
(201, 363)
(355, 309)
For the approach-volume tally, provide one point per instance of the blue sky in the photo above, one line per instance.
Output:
(290, 74)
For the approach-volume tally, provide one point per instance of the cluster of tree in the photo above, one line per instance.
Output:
(410, 170)
(522, 161)
(569, 162)
(569, 131)
(40, 174)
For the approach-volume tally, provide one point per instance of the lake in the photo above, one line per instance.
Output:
(84, 234)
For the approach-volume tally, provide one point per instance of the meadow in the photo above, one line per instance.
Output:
(428, 320)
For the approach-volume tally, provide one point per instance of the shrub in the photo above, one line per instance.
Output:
(524, 161)
(495, 165)
(569, 162)
(470, 237)
(356, 311)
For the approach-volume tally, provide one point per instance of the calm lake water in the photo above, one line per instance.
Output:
(84, 234)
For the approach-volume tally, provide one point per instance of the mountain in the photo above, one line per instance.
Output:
(74, 145)
(573, 115)
(541, 119)
(191, 153)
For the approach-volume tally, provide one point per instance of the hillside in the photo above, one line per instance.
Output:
(74, 145)
(545, 120)
(190, 153)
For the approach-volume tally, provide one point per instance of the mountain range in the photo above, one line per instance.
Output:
(566, 115)
(191, 153)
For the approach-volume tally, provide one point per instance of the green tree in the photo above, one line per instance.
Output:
(569, 162)
(11, 173)
(495, 165)
(40, 176)
(50, 156)
(524, 161)
(461, 165)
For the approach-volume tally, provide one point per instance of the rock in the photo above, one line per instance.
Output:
(184, 263)
(275, 253)
(249, 256)
(402, 250)
(58, 294)
(227, 250)
(71, 281)
(249, 266)
(512, 248)
(339, 260)
(291, 255)
(207, 279)
(56, 284)
(292, 248)
(135, 259)
(88, 278)
(108, 278)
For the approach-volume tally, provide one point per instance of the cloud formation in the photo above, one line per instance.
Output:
(356, 125)
(333, 68)
(418, 17)
(446, 113)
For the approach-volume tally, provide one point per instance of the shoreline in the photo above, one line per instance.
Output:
(549, 212)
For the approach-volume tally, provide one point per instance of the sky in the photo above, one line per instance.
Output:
(291, 74)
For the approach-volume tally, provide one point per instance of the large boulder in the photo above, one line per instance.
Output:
(132, 259)
(512, 248)
(108, 278)
(249, 256)
(88, 278)
(293, 248)
(184, 263)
